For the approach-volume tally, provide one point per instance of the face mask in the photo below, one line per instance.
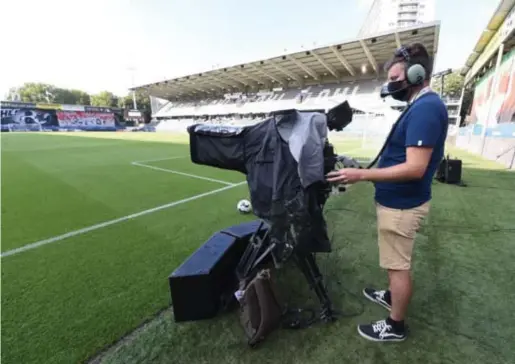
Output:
(397, 90)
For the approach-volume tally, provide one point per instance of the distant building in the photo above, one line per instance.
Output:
(388, 15)
(453, 108)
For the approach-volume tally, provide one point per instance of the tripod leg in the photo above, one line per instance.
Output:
(244, 263)
(309, 267)
(250, 257)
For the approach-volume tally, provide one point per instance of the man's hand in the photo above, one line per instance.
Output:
(346, 175)
(413, 169)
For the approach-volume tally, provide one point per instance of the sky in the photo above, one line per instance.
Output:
(98, 45)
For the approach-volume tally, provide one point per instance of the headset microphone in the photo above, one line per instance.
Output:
(414, 75)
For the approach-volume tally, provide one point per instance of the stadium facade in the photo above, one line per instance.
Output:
(314, 79)
(387, 15)
(489, 90)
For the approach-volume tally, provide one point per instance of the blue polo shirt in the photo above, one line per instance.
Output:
(425, 124)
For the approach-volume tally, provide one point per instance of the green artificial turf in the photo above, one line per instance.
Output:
(66, 301)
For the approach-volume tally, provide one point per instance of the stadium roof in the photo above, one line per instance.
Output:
(486, 46)
(359, 58)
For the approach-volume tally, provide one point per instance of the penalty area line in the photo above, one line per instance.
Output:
(115, 221)
(139, 164)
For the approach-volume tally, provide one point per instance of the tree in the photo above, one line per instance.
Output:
(33, 92)
(125, 102)
(71, 97)
(466, 105)
(45, 93)
(452, 84)
(81, 97)
(142, 102)
(13, 94)
(105, 99)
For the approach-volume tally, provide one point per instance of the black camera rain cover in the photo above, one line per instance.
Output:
(285, 187)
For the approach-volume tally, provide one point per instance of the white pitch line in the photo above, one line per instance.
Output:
(115, 221)
(181, 173)
(159, 159)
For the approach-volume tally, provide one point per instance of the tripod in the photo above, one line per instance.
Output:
(262, 249)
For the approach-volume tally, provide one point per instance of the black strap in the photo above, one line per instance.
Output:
(371, 164)
(292, 318)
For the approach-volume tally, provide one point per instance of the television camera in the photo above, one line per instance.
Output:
(285, 159)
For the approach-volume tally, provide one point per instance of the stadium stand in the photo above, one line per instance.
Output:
(314, 79)
(310, 98)
(28, 116)
(371, 122)
(488, 108)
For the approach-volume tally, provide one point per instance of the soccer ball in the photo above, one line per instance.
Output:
(244, 206)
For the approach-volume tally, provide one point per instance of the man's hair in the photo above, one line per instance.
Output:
(417, 55)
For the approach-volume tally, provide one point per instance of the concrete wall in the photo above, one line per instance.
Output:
(501, 150)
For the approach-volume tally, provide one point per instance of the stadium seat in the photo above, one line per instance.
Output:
(240, 109)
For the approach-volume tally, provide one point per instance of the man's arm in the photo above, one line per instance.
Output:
(423, 132)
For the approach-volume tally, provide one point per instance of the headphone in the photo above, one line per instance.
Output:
(415, 73)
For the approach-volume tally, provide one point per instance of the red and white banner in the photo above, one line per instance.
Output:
(83, 118)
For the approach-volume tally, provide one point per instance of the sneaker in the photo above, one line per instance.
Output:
(377, 297)
(381, 331)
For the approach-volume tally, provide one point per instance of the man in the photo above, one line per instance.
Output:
(402, 183)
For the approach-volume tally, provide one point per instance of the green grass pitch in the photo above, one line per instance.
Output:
(71, 298)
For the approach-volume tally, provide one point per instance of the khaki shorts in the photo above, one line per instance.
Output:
(396, 230)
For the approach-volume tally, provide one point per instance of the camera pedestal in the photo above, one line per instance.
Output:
(308, 266)
(261, 249)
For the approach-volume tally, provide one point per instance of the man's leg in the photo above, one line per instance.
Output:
(401, 290)
(396, 234)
